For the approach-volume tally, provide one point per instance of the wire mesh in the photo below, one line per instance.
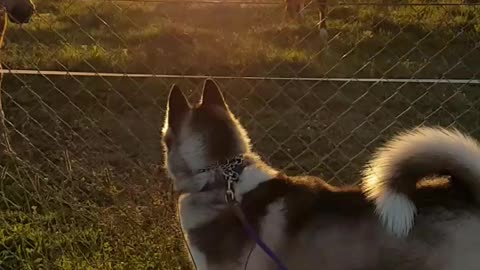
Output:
(85, 189)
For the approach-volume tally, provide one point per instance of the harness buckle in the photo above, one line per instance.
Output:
(230, 197)
(230, 192)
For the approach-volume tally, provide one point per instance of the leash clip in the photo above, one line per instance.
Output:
(230, 192)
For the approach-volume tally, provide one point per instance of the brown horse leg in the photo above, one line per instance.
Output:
(322, 13)
(5, 148)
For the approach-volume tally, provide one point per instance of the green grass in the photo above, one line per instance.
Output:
(166, 38)
(90, 192)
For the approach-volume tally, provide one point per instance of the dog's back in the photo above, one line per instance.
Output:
(317, 225)
(310, 224)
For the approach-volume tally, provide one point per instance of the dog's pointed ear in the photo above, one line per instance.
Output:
(212, 96)
(177, 106)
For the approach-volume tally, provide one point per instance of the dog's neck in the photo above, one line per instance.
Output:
(254, 174)
(230, 171)
(198, 208)
(248, 172)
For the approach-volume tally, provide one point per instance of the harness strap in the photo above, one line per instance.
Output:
(255, 237)
(231, 170)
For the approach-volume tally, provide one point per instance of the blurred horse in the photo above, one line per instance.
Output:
(18, 12)
(295, 9)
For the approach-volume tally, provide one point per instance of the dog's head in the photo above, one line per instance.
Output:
(19, 11)
(198, 136)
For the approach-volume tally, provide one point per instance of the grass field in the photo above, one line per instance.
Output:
(90, 192)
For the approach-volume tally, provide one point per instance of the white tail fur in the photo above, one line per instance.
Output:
(395, 169)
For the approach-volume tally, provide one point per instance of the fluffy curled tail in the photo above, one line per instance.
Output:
(391, 176)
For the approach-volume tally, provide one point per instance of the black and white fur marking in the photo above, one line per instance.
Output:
(310, 224)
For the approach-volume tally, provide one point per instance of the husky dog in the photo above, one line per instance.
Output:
(17, 11)
(395, 222)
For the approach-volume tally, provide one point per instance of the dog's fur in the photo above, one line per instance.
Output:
(17, 11)
(310, 224)
(391, 176)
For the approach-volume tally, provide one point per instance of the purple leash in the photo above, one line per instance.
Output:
(255, 237)
(231, 171)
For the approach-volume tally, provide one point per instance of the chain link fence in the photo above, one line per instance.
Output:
(85, 187)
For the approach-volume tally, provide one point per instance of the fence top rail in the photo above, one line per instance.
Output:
(234, 2)
(267, 78)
